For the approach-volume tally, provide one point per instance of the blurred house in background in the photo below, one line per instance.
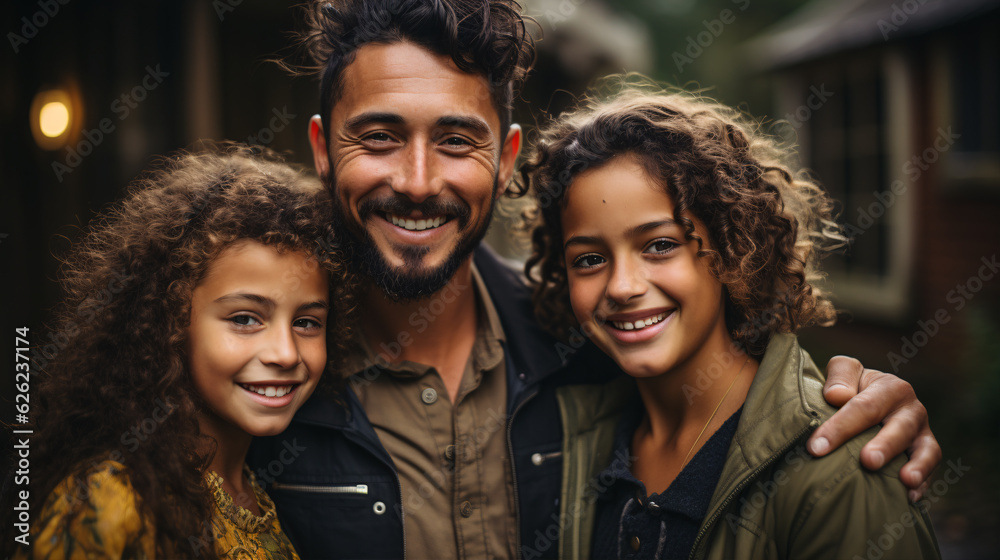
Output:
(896, 108)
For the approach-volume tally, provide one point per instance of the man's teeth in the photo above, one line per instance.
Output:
(269, 390)
(416, 225)
(640, 324)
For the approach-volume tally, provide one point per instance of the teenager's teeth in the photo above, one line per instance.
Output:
(269, 391)
(640, 324)
(416, 225)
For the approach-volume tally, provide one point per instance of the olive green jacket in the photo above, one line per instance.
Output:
(773, 499)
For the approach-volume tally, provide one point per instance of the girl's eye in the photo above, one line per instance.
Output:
(306, 323)
(590, 260)
(244, 320)
(661, 246)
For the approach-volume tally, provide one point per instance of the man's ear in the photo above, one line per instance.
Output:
(508, 156)
(317, 139)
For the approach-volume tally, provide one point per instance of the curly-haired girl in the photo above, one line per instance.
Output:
(675, 236)
(197, 315)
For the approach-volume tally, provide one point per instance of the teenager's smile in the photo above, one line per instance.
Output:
(633, 274)
(638, 326)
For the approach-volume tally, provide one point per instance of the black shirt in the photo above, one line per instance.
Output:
(632, 524)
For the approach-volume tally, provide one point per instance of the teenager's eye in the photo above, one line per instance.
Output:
(661, 246)
(590, 260)
(307, 323)
(244, 320)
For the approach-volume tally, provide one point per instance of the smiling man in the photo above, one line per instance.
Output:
(446, 443)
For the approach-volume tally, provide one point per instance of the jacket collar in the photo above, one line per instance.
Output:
(531, 351)
(783, 405)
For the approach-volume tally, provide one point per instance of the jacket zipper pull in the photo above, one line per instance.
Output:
(538, 458)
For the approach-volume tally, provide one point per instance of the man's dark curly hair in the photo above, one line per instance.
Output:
(124, 319)
(485, 37)
(766, 226)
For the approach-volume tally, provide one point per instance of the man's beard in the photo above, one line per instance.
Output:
(410, 281)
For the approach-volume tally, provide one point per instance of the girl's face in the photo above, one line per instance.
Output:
(257, 340)
(636, 284)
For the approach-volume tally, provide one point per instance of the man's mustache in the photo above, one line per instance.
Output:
(400, 205)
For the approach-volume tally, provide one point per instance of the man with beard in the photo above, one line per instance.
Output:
(446, 442)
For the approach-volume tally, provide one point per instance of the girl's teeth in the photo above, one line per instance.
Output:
(640, 324)
(416, 225)
(269, 391)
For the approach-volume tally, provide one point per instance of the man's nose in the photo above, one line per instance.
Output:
(420, 179)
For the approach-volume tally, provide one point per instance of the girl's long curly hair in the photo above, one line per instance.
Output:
(767, 225)
(125, 316)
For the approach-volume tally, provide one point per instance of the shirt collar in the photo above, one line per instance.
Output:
(487, 352)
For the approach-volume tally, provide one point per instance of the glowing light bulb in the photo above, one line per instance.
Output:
(53, 119)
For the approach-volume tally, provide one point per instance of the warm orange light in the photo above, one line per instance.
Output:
(53, 119)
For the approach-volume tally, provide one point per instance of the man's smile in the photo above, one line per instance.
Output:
(411, 224)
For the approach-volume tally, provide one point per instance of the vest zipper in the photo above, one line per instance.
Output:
(346, 489)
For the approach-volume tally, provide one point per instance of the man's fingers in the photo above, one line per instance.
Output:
(859, 414)
(843, 376)
(915, 495)
(900, 430)
(925, 455)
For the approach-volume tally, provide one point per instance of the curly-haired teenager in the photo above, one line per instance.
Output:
(676, 237)
(197, 315)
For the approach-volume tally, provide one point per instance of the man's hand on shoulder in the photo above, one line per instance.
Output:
(868, 397)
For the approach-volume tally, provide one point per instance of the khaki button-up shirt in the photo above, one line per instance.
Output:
(452, 459)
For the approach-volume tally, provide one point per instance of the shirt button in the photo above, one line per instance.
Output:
(449, 453)
(379, 508)
(429, 396)
(466, 509)
(634, 544)
(654, 508)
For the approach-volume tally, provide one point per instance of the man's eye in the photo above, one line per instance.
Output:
(378, 137)
(589, 260)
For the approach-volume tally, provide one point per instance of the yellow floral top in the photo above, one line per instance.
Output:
(94, 515)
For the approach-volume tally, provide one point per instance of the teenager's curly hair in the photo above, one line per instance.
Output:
(122, 326)
(767, 226)
(486, 37)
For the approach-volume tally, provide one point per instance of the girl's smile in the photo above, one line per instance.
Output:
(635, 276)
(639, 326)
(257, 343)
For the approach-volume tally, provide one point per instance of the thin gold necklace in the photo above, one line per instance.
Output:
(713, 413)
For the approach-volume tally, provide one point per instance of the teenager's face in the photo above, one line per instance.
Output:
(258, 325)
(417, 161)
(635, 283)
